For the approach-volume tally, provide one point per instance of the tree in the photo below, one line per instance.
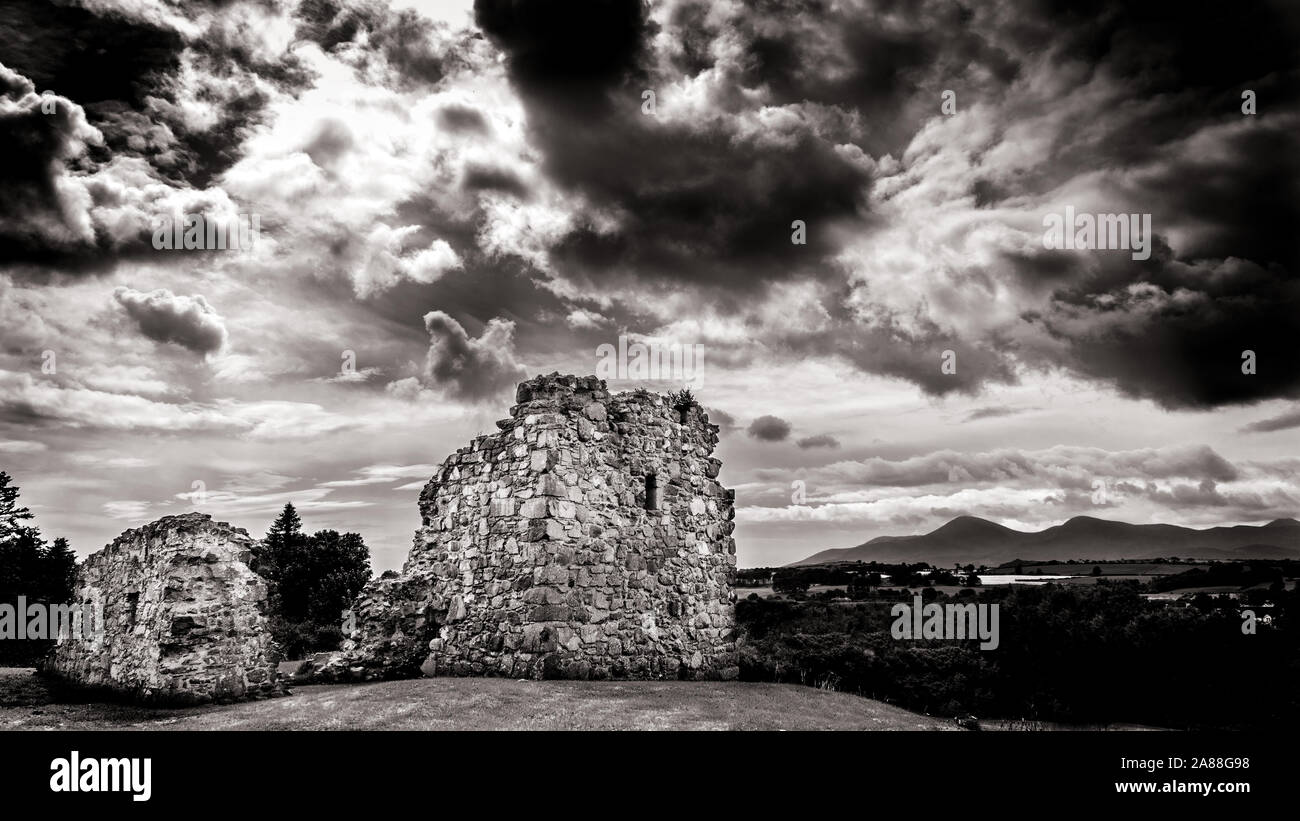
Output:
(22, 565)
(22, 550)
(1096, 570)
(340, 567)
(275, 552)
(311, 580)
(29, 568)
(286, 530)
(61, 571)
(789, 583)
(12, 514)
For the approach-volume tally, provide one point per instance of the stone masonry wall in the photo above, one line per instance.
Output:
(587, 538)
(183, 616)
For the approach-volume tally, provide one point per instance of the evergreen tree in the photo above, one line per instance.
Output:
(61, 572)
(22, 550)
(12, 514)
(286, 529)
(273, 553)
(29, 568)
(310, 580)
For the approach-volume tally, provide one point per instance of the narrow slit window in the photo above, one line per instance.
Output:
(651, 492)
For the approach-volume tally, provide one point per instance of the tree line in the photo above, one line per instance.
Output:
(1099, 653)
(30, 567)
(311, 579)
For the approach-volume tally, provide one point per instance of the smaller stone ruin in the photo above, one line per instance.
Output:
(182, 617)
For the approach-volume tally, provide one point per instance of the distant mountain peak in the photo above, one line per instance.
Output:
(969, 524)
(972, 539)
(1092, 522)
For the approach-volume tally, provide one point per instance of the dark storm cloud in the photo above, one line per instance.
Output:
(188, 321)
(1166, 46)
(203, 154)
(569, 54)
(468, 367)
(1185, 67)
(1064, 466)
(462, 119)
(116, 134)
(33, 146)
(725, 421)
(1182, 343)
(783, 99)
(124, 70)
(1285, 421)
(61, 211)
(917, 354)
(1249, 199)
(989, 413)
(484, 178)
(1236, 195)
(727, 223)
(402, 36)
(1278, 502)
(821, 440)
(701, 205)
(890, 60)
(84, 56)
(1201, 494)
(769, 429)
(698, 205)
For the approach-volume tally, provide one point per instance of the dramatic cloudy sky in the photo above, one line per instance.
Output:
(465, 194)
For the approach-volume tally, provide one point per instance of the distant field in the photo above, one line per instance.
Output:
(1107, 568)
(1080, 573)
(483, 704)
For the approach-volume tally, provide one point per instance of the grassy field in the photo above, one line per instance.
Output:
(1107, 568)
(1079, 574)
(481, 704)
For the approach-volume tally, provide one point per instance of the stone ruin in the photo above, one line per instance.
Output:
(180, 617)
(587, 538)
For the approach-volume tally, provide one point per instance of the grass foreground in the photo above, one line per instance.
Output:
(480, 704)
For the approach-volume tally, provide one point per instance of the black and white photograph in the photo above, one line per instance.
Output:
(904, 374)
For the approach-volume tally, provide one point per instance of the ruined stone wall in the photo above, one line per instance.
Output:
(587, 538)
(183, 616)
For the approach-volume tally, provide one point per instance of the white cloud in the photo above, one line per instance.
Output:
(381, 474)
(129, 510)
(20, 446)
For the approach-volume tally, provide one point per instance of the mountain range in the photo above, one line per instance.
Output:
(970, 539)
